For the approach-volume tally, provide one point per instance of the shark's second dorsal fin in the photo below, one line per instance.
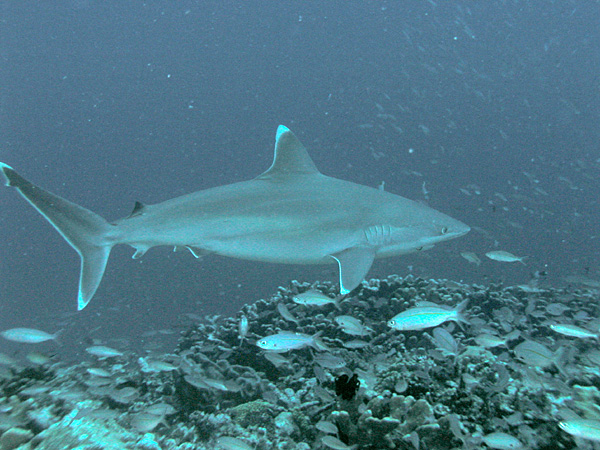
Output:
(138, 209)
(291, 157)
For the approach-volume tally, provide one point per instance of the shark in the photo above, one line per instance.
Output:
(291, 213)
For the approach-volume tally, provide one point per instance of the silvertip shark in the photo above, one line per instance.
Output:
(291, 214)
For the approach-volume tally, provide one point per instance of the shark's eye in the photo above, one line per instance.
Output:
(444, 230)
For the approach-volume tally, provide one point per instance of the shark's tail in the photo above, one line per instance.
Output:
(87, 232)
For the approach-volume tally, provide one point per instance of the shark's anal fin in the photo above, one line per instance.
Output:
(84, 230)
(354, 263)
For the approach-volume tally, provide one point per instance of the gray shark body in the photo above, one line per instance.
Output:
(290, 214)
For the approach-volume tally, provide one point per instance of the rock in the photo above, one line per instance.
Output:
(284, 422)
(14, 437)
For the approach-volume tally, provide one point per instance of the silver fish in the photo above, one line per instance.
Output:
(285, 312)
(102, 351)
(582, 428)
(422, 317)
(502, 441)
(243, 327)
(573, 331)
(502, 256)
(232, 443)
(313, 297)
(28, 335)
(287, 340)
(352, 326)
(471, 257)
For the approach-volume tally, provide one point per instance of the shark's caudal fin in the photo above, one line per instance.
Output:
(86, 231)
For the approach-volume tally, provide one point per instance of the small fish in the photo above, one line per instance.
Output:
(445, 340)
(582, 428)
(145, 422)
(327, 427)
(323, 394)
(356, 344)
(232, 443)
(98, 372)
(488, 340)
(155, 365)
(243, 327)
(573, 331)
(329, 361)
(471, 257)
(37, 358)
(221, 385)
(556, 309)
(103, 352)
(421, 317)
(125, 396)
(502, 256)
(313, 297)
(287, 340)
(335, 443)
(285, 312)
(352, 326)
(502, 441)
(161, 409)
(28, 335)
(277, 359)
(536, 354)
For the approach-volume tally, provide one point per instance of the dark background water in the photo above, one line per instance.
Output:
(109, 102)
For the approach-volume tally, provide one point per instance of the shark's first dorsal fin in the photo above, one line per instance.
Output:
(291, 157)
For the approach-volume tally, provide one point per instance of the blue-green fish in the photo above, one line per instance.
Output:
(313, 297)
(28, 335)
(288, 340)
(422, 317)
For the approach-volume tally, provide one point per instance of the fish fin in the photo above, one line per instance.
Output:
(56, 337)
(460, 315)
(354, 263)
(84, 230)
(560, 358)
(337, 300)
(138, 209)
(291, 157)
(317, 343)
(140, 250)
(198, 252)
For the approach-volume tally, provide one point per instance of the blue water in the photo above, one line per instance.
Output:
(109, 102)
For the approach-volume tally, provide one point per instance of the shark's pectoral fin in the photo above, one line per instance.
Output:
(354, 263)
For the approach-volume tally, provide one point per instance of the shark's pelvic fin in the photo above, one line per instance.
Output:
(354, 263)
(291, 157)
(86, 231)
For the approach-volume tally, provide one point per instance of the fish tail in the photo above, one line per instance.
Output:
(85, 231)
(337, 300)
(317, 343)
(460, 312)
(56, 337)
(560, 358)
